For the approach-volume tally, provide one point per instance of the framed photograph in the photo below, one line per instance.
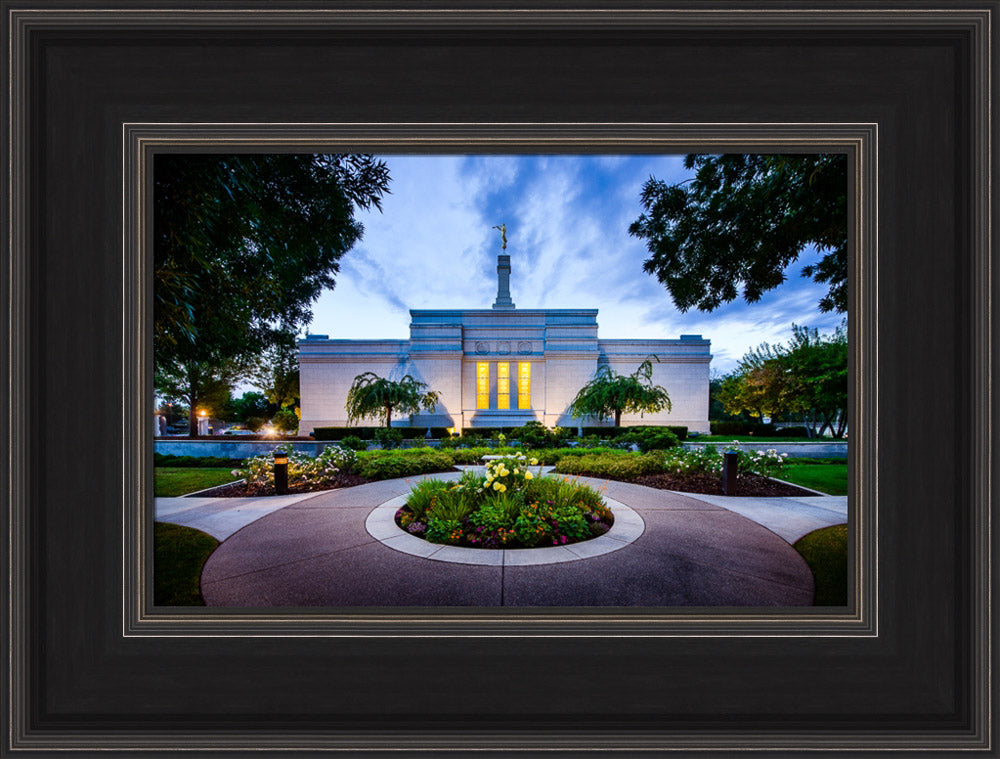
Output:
(110, 107)
(564, 452)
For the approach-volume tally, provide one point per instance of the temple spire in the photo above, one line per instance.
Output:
(503, 274)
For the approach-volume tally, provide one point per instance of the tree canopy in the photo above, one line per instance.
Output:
(276, 374)
(611, 394)
(741, 221)
(243, 244)
(808, 376)
(374, 397)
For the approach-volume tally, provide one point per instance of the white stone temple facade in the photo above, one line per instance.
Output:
(502, 367)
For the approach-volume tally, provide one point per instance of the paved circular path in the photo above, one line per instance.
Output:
(316, 552)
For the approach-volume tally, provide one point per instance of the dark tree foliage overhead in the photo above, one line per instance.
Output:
(740, 223)
(243, 245)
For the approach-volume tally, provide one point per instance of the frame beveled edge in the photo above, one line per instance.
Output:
(977, 20)
(140, 141)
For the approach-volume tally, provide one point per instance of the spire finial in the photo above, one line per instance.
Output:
(503, 234)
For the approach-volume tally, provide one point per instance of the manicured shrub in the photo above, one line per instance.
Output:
(388, 438)
(354, 443)
(737, 427)
(534, 434)
(617, 467)
(680, 431)
(387, 465)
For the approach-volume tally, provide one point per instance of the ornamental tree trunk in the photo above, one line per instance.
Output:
(192, 407)
(618, 417)
(388, 417)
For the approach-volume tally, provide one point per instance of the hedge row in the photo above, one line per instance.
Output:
(611, 433)
(741, 428)
(389, 465)
(608, 433)
(757, 429)
(368, 433)
(615, 467)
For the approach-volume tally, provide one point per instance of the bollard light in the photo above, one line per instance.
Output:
(730, 462)
(281, 472)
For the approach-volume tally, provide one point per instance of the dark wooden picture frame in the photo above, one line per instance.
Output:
(94, 90)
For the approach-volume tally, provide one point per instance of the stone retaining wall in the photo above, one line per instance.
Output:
(232, 449)
(817, 450)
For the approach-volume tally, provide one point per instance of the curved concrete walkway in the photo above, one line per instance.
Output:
(316, 552)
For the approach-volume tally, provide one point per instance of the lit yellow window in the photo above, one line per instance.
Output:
(524, 385)
(482, 385)
(503, 385)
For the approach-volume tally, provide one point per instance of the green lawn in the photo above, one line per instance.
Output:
(825, 551)
(172, 481)
(825, 475)
(178, 557)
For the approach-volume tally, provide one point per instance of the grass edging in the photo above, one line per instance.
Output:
(179, 554)
(825, 551)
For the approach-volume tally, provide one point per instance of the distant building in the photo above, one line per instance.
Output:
(502, 367)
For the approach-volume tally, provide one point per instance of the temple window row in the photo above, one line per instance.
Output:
(502, 398)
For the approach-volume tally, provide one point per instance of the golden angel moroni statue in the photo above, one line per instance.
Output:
(503, 234)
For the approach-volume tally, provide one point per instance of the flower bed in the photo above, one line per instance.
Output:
(332, 468)
(691, 471)
(511, 506)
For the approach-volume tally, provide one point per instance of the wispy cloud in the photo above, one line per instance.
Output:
(567, 223)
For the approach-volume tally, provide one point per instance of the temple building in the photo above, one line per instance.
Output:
(502, 366)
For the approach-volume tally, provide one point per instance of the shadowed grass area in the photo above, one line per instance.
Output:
(825, 551)
(174, 481)
(178, 557)
(826, 476)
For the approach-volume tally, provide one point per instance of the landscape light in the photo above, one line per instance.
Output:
(280, 472)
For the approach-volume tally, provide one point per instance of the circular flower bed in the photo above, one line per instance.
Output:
(510, 506)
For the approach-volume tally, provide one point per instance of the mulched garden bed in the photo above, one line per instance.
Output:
(241, 490)
(746, 485)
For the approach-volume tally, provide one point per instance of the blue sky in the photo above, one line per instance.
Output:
(567, 223)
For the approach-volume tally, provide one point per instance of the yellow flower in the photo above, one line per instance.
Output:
(502, 487)
(497, 485)
(534, 462)
(529, 476)
(517, 471)
(504, 472)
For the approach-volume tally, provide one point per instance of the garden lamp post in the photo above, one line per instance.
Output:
(730, 462)
(281, 472)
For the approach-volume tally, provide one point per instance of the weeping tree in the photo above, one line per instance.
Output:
(374, 397)
(610, 393)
